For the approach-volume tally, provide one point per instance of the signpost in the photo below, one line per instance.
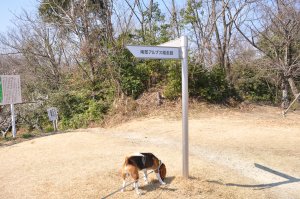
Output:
(10, 93)
(175, 49)
(53, 116)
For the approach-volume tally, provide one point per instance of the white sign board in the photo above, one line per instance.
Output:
(52, 113)
(155, 52)
(10, 89)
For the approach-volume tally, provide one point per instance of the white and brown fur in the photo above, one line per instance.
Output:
(141, 162)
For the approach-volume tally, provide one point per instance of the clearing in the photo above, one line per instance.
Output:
(234, 153)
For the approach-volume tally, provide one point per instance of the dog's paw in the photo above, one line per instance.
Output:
(138, 193)
(163, 183)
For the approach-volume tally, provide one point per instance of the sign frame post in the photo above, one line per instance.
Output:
(13, 120)
(180, 44)
(185, 102)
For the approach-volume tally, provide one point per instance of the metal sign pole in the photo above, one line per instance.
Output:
(185, 98)
(13, 120)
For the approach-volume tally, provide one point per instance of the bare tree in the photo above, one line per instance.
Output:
(150, 21)
(38, 46)
(124, 22)
(199, 25)
(212, 26)
(174, 19)
(139, 14)
(88, 29)
(276, 35)
(224, 19)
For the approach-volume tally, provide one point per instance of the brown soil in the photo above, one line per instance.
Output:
(234, 153)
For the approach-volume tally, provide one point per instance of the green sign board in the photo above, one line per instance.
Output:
(1, 95)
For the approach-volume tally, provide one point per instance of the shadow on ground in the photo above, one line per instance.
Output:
(155, 185)
(290, 179)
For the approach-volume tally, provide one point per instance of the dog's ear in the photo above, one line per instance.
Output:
(162, 171)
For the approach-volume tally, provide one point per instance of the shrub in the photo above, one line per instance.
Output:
(27, 135)
(173, 87)
(216, 89)
(252, 86)
(204, 84)
(132, 81)
(132, 76)
(78, 109)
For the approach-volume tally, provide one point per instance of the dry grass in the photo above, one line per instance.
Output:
(225, 144)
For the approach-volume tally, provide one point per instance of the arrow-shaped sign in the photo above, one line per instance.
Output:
(155, 52)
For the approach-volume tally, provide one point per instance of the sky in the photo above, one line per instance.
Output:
(9, 8)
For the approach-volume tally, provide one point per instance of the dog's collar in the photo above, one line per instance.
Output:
(144, 160)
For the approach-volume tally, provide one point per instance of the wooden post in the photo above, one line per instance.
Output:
(288, 108)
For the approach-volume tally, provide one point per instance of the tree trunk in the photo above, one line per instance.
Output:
(294, 88)
(228, 70)
(150, 15)
(174, 20)
(285, 100)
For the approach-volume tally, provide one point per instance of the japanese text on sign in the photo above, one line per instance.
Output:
(157, 52)
(10, 92)
(52, 113)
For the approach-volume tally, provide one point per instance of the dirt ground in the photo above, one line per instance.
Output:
(251, 153)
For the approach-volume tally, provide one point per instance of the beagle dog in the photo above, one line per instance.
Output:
(142, 162)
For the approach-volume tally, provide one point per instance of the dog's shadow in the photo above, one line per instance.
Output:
(155, 185)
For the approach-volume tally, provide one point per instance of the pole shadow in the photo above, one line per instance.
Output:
(289, 179)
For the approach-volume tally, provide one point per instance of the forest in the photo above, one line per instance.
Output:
(72, 55)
